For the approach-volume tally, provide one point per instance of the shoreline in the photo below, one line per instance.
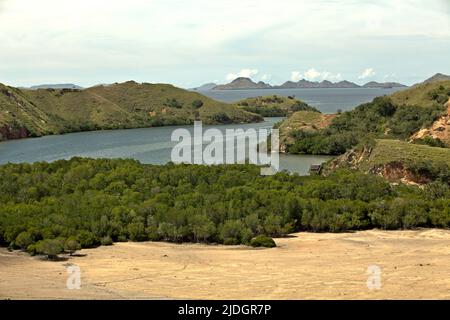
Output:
(128, 128)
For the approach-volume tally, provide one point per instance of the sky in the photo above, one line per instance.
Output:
(192, 42)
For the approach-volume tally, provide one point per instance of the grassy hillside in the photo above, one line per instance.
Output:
(19, 117)
(125, 105)
(398, 161)
(399, 151)
(397, 116)
(274, 106)
(428, 95)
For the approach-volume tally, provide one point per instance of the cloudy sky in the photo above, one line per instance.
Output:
(191, 42)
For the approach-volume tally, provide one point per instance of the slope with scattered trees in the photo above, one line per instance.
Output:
(28, 113)
(397, 116)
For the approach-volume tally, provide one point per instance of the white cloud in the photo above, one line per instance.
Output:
(296, 76)
(314, 75)
(390, 76)
(51, 40)
(368, 73)
(246, 73)
(266, 77)
(331, 76)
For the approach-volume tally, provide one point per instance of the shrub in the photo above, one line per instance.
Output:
(50, 247)
(72, 245)
(173, 103)
(232, 232)
(106, 241)
(220, 117)
(23, 240)
(87, 239)
(122, 238)
(263, 241)
(31, 249)
(136, 231)
(197, 104)
(430, 141)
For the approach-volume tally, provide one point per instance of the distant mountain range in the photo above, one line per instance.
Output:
(56, 86)
(311, 84)
(242, 83)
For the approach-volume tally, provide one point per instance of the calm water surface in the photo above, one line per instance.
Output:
(326, 100)
(149, 145)
(153, 145)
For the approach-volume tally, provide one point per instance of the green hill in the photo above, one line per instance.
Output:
(301, 122)
(398, 116)
(274, 106)
(26, 113)
(430, 94)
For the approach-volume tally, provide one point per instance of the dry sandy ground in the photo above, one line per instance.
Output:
(414, 265)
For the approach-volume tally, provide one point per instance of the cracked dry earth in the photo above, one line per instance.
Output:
(414, 265)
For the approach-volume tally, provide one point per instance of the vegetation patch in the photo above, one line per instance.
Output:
(398, 116)
(49, 208)
(274, 106)
(398, 160)
(263, 241)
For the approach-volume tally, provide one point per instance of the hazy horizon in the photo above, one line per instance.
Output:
(190, 43)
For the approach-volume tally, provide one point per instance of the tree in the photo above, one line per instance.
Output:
(272, 225)
(106, 241)
(166, 231)
(72, 245)
(202, 227)
(50, 247)
(23, 240)
(136, 231)
(87, 239)
(232, 231)
(252, 222)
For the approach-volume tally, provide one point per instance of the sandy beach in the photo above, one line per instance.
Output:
(413, 264)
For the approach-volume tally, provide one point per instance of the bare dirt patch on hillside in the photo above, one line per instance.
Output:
(414, 265)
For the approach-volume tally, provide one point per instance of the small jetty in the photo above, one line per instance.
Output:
(315, 169)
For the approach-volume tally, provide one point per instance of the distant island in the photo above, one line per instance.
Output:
(243, 83)
(56, 86)
(206, 86)
(384, 85)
